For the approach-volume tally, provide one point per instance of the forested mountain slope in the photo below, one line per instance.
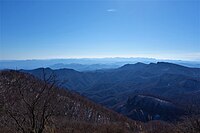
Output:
(113, 87)
(31, 105)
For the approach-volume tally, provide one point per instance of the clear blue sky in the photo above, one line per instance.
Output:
(63, 29)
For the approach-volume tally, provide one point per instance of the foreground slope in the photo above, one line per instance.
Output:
(31, 105)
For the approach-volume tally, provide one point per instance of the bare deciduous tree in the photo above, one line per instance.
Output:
(29, 102)
(29, 105)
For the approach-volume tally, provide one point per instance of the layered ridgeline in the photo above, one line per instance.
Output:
(166, 86)
(35, 106)
(29, 104)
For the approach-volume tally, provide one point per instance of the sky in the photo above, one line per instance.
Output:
(45, 29)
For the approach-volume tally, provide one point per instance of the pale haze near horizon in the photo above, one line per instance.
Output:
(99, 29)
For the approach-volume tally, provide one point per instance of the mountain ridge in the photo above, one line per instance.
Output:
(113, 87)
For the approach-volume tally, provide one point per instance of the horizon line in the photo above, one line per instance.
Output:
(114, 57)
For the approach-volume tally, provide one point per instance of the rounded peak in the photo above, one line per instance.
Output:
(138, 64)
(42, 68)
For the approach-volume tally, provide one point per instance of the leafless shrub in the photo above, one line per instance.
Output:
(36, 106)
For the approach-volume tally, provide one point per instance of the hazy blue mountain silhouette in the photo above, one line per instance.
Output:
(113, 87)
(85, 64)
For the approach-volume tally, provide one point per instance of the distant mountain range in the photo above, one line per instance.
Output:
(86, 67)
(156, 89)
(86, 64)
